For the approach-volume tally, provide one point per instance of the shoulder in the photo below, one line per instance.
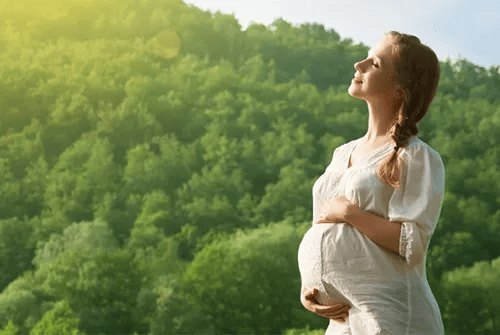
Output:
(419, 153)
(418, 148)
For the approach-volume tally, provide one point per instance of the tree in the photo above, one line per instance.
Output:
(304, 331)
(244, 283)
(10, 329)
(81, 178)
(21, 302)
(101, 285)
(78, 236)
(162, 269)
(60, 320)
(210, 199)
(152, 224)
(137, 136)
(84, 266)
(163, 164)
(129, 125)
(475, 288)
(285, 198)
(10, 193)
(16, 251)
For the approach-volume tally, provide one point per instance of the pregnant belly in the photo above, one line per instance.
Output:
(328, 256)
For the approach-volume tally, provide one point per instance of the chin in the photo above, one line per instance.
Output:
(353, 92)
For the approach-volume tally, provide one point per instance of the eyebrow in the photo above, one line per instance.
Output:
(377, 58)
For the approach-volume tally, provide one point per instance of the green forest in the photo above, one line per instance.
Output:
(157, 163)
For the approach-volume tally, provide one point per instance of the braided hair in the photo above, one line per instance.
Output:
(417, 71)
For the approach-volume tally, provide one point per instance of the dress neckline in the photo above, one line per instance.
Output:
(370, 154)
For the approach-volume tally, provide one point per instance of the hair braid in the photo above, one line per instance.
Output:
(417, 69)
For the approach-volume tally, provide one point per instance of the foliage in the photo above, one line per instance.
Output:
(156, 164)
(304, 331)
(228, 284)
(16, 251)
(10, 329)
(85, 267)
(22, 303)
(475, 288)
(58, 321)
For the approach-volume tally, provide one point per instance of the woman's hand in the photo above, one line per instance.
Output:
(338, 207)
(337, 312)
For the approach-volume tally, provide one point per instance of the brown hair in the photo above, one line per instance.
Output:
(417, 72)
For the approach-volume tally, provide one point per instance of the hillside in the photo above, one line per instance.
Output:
(156, 164)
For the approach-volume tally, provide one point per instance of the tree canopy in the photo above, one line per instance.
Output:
(156, 166)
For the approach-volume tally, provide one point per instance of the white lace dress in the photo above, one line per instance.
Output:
(388, 292)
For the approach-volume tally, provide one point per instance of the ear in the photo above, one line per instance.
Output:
(399, 93)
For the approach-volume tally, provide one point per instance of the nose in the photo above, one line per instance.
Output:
(357, 66)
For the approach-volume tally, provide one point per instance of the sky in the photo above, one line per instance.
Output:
(452, 28)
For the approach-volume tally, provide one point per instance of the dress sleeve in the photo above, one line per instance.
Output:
(417, 203)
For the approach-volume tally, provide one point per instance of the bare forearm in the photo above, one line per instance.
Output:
(383, 232)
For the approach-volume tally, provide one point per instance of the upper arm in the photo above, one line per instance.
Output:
(417, 204)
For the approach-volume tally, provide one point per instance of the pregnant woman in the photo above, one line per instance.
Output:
(362, 262)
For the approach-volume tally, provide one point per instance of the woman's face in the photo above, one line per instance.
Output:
(375, 76)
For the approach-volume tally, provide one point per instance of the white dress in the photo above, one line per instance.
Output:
(388, 292)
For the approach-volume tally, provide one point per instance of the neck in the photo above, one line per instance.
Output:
(380, 118)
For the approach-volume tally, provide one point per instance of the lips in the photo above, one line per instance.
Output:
(357, 79)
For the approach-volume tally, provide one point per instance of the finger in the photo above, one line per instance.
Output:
(310, 299)
(328, 312)
(308, 291)
(337, 308)
(340, 305)
(331, 315)
(314, 293)
(335, 317)
(311, 295)
(337, 314)
(340, 316)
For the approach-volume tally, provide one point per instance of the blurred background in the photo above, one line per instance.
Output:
(454, 29)
(157, 160)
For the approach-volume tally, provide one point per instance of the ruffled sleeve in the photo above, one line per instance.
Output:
(417, 203)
